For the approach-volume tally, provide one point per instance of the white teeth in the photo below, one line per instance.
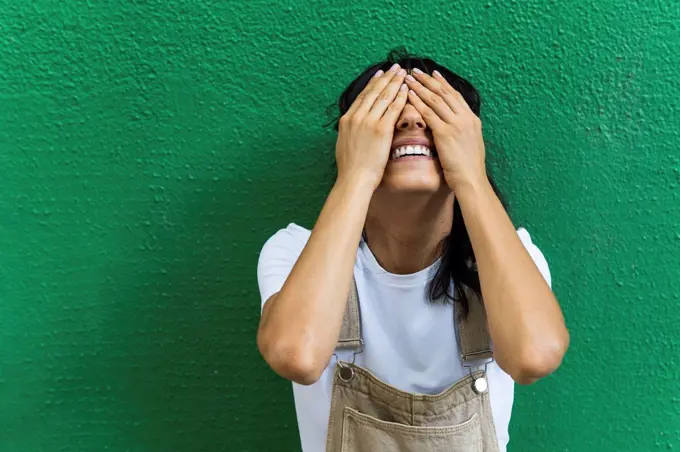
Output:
(410, 150)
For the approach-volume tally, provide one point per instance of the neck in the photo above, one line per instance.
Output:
(405, 231)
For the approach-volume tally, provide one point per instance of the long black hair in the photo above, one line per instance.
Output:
(458, 263)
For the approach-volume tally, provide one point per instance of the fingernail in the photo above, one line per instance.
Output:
(437, 74)
(412, 92)
(379, 73)
(401, 71)
(417, 71)
(394, 67)
(403, 87)
(410, 78)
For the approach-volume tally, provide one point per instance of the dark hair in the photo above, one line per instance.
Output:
(458, 263)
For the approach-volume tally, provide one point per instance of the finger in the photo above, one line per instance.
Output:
(428, 114)
(369, 86)
(387, 96)
(368, 94)
(456, 97)
(433, 100)
(372, 95)
(442, 88)
(394, 110)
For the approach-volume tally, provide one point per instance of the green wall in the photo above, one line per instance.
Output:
(149, 148)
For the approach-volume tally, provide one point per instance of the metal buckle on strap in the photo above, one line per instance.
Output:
(346, 373)
(480, 385)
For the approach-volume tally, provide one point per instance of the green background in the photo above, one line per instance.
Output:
(149, 148)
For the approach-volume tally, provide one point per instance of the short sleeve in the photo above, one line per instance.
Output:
(277, 258)
(536, 255)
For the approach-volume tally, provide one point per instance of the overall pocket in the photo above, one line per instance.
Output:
(364, 433)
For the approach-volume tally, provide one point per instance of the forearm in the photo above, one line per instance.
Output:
(524, 318)
(302, 322)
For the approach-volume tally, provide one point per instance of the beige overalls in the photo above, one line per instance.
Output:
(369, 415)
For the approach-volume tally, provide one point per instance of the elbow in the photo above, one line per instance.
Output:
(298, 366)
(290, 360)
(536, 363)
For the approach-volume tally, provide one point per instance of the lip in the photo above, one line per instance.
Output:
(412, 142)
(411, 158)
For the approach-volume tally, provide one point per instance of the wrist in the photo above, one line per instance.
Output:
(471, 189)
(358, 181)
(352, 196)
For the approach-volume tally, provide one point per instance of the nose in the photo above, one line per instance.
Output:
(410, 119)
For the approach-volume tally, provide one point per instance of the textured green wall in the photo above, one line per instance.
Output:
(149, 148)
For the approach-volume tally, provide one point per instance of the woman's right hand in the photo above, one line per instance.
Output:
(366, 130)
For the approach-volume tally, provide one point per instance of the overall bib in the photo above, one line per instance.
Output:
(369, 415)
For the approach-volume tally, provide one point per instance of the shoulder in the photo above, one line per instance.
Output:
(535, 253)
(277, 258)
(289, 239)
(524, 236)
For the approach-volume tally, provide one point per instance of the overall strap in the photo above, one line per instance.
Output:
(350, 333)
(473, 334)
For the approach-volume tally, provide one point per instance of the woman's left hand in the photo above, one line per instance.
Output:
(456, 130)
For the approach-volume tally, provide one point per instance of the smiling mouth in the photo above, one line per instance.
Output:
(413, 152)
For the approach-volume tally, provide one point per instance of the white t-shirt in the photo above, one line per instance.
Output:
(410, 342)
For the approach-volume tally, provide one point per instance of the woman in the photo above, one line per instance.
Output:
(384, 314)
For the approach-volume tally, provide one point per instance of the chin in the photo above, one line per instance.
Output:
(413, 177)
